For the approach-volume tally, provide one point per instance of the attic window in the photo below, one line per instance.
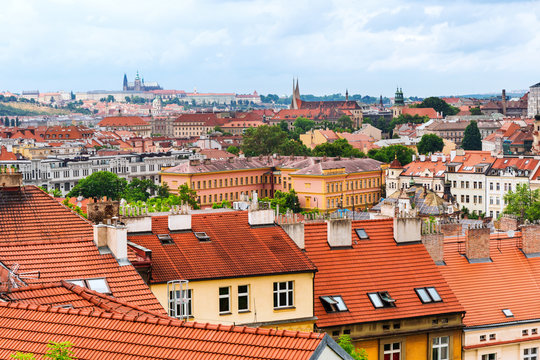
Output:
(202, 236)
(333, 304)
(381, 299)
(507, 313)
(165, 239)
(428, 295)
(362, 234)
(97, 284)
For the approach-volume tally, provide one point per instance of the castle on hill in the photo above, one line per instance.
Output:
(140, 85)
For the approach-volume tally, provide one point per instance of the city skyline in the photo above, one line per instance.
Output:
(238, 46)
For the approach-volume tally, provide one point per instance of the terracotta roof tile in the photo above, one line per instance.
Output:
(42, 235)
(375, 264)
(28, 328)
(123, 121)
(233, 251)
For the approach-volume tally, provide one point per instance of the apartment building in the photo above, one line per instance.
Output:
(195, 125)
(135, 124)
(425, 170)
(322, 183)
(63, 173)
(504, 175)
(466, 174)
(249, 283)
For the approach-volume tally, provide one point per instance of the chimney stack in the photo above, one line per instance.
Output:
(531, 240)
(10, 178)
(433, 240)
(339, 232)
(407, 228)
(112, 238)
(503, 102)
(477, 244)
(295, 232)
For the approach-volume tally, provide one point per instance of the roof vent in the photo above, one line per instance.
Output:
(165, 239)
(202, 236)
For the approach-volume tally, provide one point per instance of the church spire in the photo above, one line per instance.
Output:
(125, 84)
(346, 94)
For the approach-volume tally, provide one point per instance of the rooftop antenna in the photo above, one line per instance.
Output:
(16, 279)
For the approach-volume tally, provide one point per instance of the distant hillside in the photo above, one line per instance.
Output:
(27, 109)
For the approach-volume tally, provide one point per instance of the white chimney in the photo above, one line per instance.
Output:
(261, 217)
(296, 233)
(339, 232)
(434, 158)
(179, 222)
(422, 157)
(138, 224)
(113, 238)
(407, 228)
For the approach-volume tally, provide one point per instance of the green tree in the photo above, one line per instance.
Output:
(99, 185)
(439, 105)
(110, 98)
(188, 196)
(263, 140)
(225, 204)
(163, 191)
(340, 147)
(56, 351)
(345, 122)
(283, 125)
(523, 203)
(475, 111)
(139, 190)
(472, 140)
(293, 147)
(301, 126)
(430, 143)
(389, 153)
(285, 200)
(345, 342)
(233, 150)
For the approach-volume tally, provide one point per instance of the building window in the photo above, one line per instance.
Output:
(283, 294)
(243, 298)
(183, 304)
(530, 354)
(440, 348)
(225, 300)
(489, 356)
(392, 351)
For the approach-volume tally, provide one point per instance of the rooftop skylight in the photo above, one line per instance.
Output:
(381, 299)
(165, 239)
(428, 295)
(507, 312)
(97, 284)
(362, 234)
(333, 303)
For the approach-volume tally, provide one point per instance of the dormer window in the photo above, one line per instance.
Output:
(333, 304)
(97, 284)
(381, 299)
(428, 295)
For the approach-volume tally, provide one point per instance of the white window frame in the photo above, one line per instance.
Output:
(437, 344)
(183, 309)
(288, 291)
(530, 353)
(392, 351)
(224, 296)
(243, 294)
(490, 356)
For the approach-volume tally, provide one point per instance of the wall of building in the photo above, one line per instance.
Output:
(205, 300)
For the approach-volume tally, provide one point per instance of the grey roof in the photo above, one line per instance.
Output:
(536, 85)
(426, 201)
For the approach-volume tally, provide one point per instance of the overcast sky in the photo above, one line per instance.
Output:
(369, 47)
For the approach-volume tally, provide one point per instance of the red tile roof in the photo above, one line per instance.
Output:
(510, 281)
(42, 235)
(521, 164)
(233, 251)
(65, 294)
(6, 155)
(113, 121)
(418, 167)
(208, 119)
(375, 264)
(429, 112)
(95, 335)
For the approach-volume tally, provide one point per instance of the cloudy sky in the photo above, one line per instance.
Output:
(368, 46)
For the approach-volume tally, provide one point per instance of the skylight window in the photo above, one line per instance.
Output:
(333, 304)
(98, 284)
(362, 234)
(165, 239)
(428, 295)
(507, 312)
(381, 299)
(202, 236)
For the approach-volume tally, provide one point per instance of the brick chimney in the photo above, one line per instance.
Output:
(10, 178)
(477, 244)
(531, 240)
(339, 232)
(433, 240)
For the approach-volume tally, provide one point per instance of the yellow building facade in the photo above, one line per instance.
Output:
(260, 312)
